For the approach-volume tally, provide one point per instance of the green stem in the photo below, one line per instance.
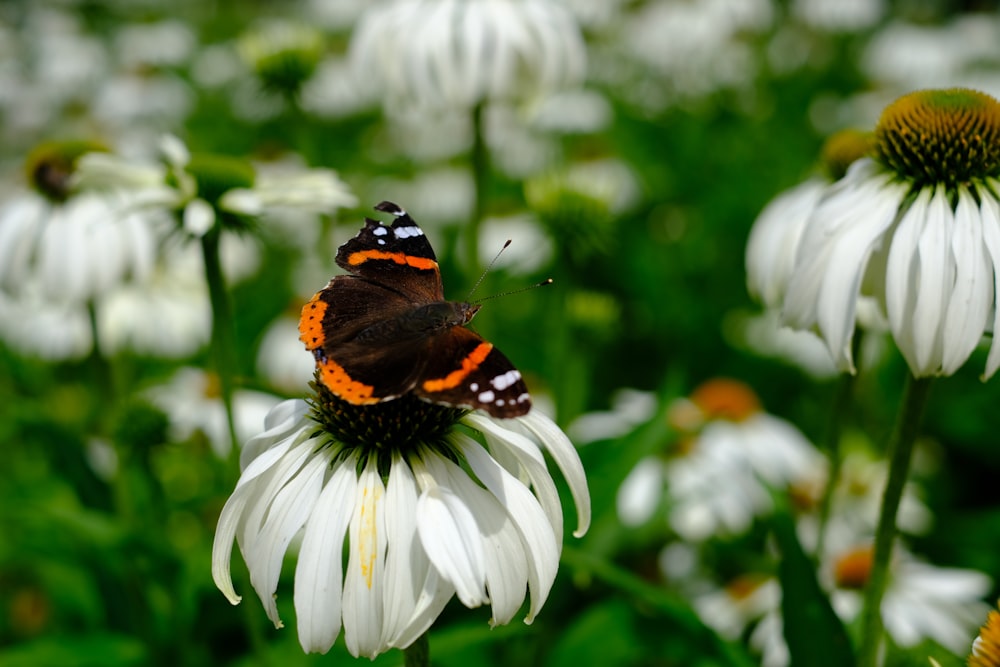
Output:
(418, 654)
(223, 344)
(900, 451)
(480, 164)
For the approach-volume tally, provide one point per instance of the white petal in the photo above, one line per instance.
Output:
(530, 461)
(241, 200)
(199, 216)
(902, 274)
(449, 533)
(232, 516)
(990, 210)
(319, 574)
(568, 461)
(363, 595)
(406, 564)
(281, 420)
(532, 525)
(968, 306)
(937, 271)
(640, 492)
(434, 596)
(285, 517)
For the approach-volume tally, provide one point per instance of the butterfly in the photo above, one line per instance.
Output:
(385, 330)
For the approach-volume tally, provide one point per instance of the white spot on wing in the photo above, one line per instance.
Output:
(408, 232)
(486, 397)
(504, 381)
(380, 231)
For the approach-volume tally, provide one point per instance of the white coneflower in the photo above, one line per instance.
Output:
(432, 503)
(986, 647)
(733, 456)
(206, 189)
(916, 227)
(457, 53)
(70, 247)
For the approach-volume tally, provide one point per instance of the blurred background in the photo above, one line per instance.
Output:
(625, 146)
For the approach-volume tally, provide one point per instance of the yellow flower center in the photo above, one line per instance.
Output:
(986, 649)
(842, 149)
(941, 136)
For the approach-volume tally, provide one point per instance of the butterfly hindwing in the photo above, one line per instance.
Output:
(465, 370)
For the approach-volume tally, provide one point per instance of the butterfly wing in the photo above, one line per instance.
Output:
(397, 256)
(349, 327)
(463, 370)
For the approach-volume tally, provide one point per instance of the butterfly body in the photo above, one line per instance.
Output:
(385, 329)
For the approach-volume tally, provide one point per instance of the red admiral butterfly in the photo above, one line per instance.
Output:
(386, 329)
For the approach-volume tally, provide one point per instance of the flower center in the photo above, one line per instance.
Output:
(842, 149)
(986, 648)
(852, 570)
(398, 424)
(941, 136)
(724, 398)
(282, 55)
(50, 165)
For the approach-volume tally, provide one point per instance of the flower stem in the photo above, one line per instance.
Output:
(223, 344)
(900, 452)
(418, 654)
(480, 165)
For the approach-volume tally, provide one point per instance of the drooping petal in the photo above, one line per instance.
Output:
(531, 461)
(449, 533)
(363, 594)
(936, 276)
(434, 596)
(968, 305)
(280, 420)
(901, 273)
(990, 209)
(406, 564)
(319, 574)
(286, 515)
(232, 516)
(529, 518)
(567, 460)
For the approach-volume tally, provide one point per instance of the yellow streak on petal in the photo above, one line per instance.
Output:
(368, 535)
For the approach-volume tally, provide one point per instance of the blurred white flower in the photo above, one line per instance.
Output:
(192, 401)
(629, 409)
(435, 54)
(922, 601)
(38, 326)
(839, 15)
(282, 359)
(732, 456)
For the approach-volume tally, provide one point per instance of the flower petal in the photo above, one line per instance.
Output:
(286, 515)
(363, 595)
(319, 574)
(232, 516)
(529, 518)
(937, 272)
(901, 274)
(449, 532)
(990, 210)
(280, 420)
(970, 300)
(567, 459)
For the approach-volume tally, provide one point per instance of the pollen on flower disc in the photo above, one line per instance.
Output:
(941, 136)
(986, 648)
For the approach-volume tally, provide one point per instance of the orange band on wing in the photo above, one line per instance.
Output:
(363, 256)
(469, 364)
(340, 383)
(311, 323)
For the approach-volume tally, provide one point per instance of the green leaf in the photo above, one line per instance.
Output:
(813, 632)
(98, 650)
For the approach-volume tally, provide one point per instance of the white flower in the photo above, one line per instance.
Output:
(281, 358)
(419, 528)
(732, 459)
(75, 250)
(437, 54)
(202, 188)
(917, 229)
(922, 601)
(192, 401)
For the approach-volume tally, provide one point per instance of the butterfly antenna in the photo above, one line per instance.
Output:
(486, 270)
(547, 281)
